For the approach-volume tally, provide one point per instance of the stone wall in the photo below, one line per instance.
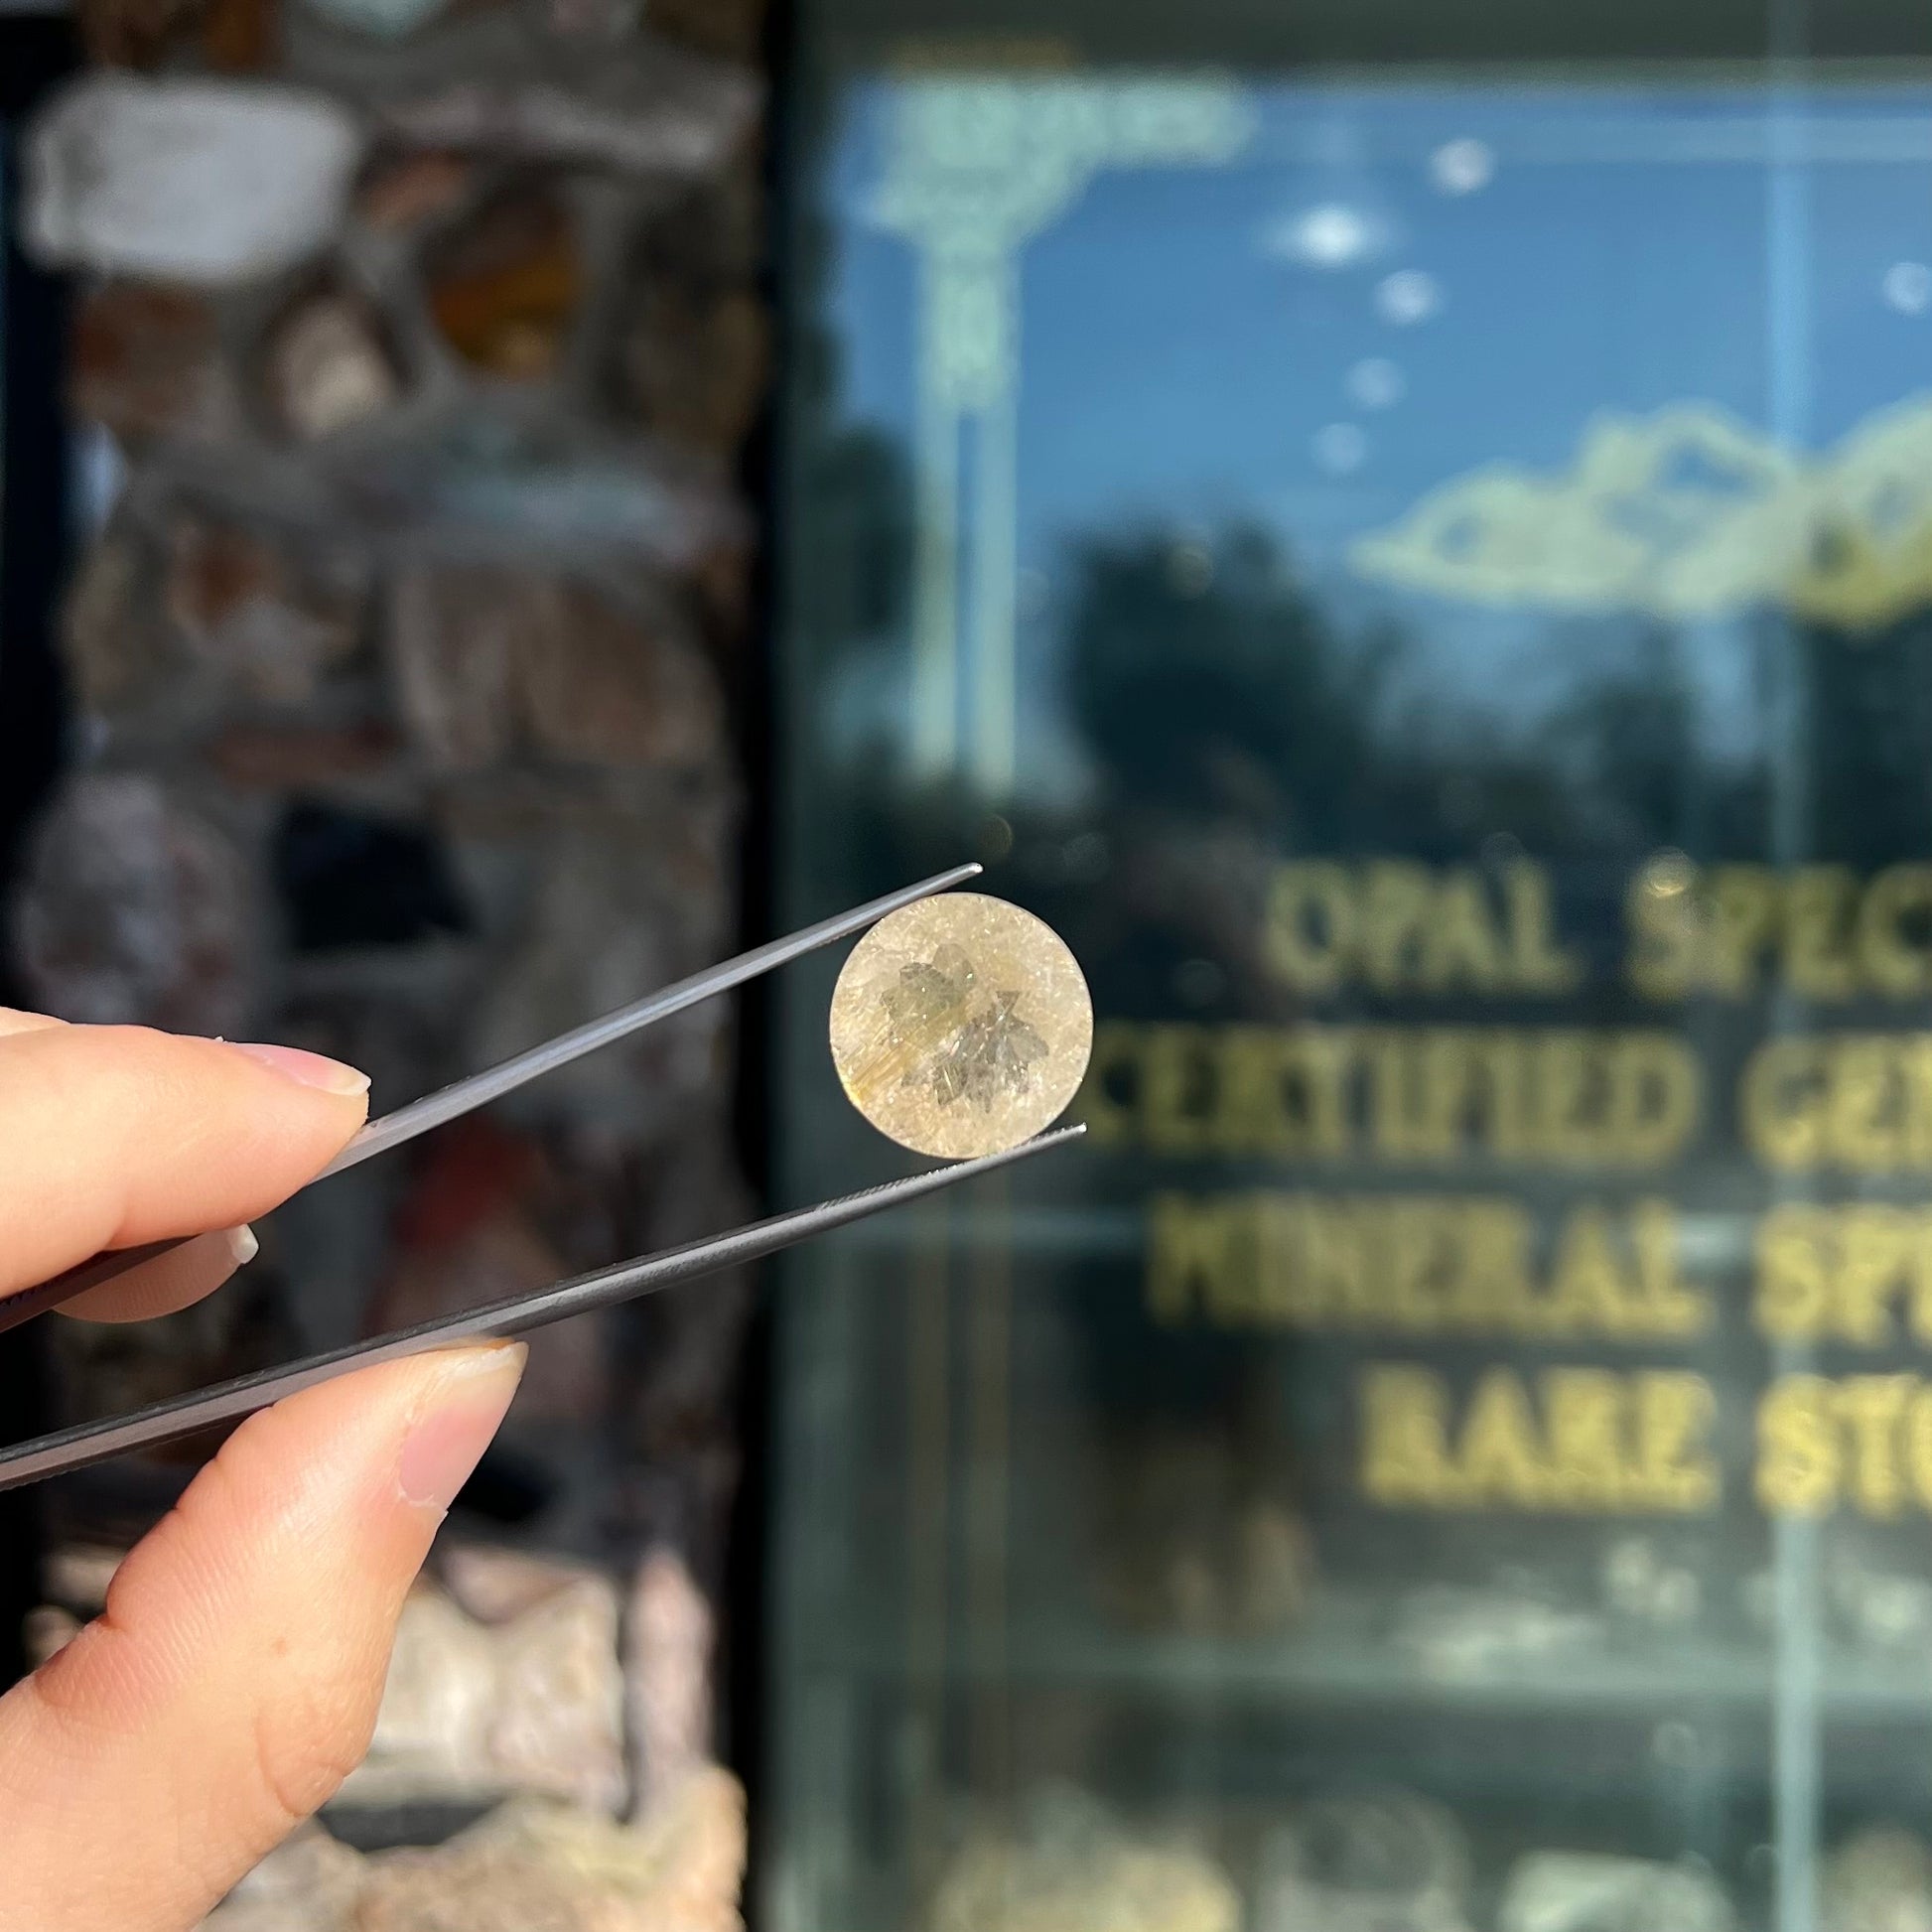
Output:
(419, 342)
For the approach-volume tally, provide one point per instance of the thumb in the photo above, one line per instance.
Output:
(232, 1681)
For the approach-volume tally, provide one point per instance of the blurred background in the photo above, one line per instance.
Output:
(1405, 531)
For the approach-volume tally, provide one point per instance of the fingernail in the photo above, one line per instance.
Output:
(308, 1069)
(243, 1246)
(447, 1439)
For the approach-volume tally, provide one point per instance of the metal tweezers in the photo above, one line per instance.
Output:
(168, 1422)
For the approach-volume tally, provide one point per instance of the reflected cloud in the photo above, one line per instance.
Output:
(1463, 167)
(1331, 236)
(1687, 514)
(1340, 449)
(1908, 288)
(1376, 384)
(1409, 296)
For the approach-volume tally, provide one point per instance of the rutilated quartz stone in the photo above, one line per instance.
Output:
(961, 1026)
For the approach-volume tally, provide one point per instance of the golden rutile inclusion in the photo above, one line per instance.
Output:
(961, 1026)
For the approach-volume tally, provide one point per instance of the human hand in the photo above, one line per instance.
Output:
(232, 1680)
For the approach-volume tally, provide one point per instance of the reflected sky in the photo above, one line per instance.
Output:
(1392, 287)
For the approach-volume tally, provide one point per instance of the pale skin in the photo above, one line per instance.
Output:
(232, 1681)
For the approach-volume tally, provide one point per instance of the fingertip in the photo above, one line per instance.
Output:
(456, 1422)
(169, 1282)
(305, 1068)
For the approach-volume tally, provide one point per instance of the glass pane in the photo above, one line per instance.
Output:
(1422, 575)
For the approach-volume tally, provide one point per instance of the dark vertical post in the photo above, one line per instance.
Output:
(35, 505)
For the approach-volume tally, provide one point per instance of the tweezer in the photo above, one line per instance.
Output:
(167, 1421)
(189, 1415)
(451, 1102)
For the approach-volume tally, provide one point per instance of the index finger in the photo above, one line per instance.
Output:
(115, 1135)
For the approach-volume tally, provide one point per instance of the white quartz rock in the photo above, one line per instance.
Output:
(194, 181)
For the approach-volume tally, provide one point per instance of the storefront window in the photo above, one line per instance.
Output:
(1424, 574)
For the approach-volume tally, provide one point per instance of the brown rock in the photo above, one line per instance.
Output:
(506, 287)
(302, 757)
(486, 658)
(147, 363)
(732, 30)
(617, 684)
(239, 36)
(133, 33)
(402, 193)
(609, 923)
(136, 909)
(120, 655)
(246, 609)
(328, 363)
(696, 363)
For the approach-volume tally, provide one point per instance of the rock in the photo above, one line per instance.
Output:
(603, 21)
(1370, 1861)
(388, 19)
(695, 363)
(733, 30)
(1073, 1870)
(531, 1867)
(194, 181)
(694, 338)
(402, 191)
(238, 35)
(1879, 1880)
(532, 1705)
(133, 33)
(135, 909)
(303, 757)
(497, 1586)
(272, 631)
(1586, 1891)
(486, 658)
(147, 363)
(610, 921)
(657, 111)
(308, 1884)
(452, 634)
(504, 289)
(605, 682)
(667, 1676)
(328, 363)
(121, 655)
